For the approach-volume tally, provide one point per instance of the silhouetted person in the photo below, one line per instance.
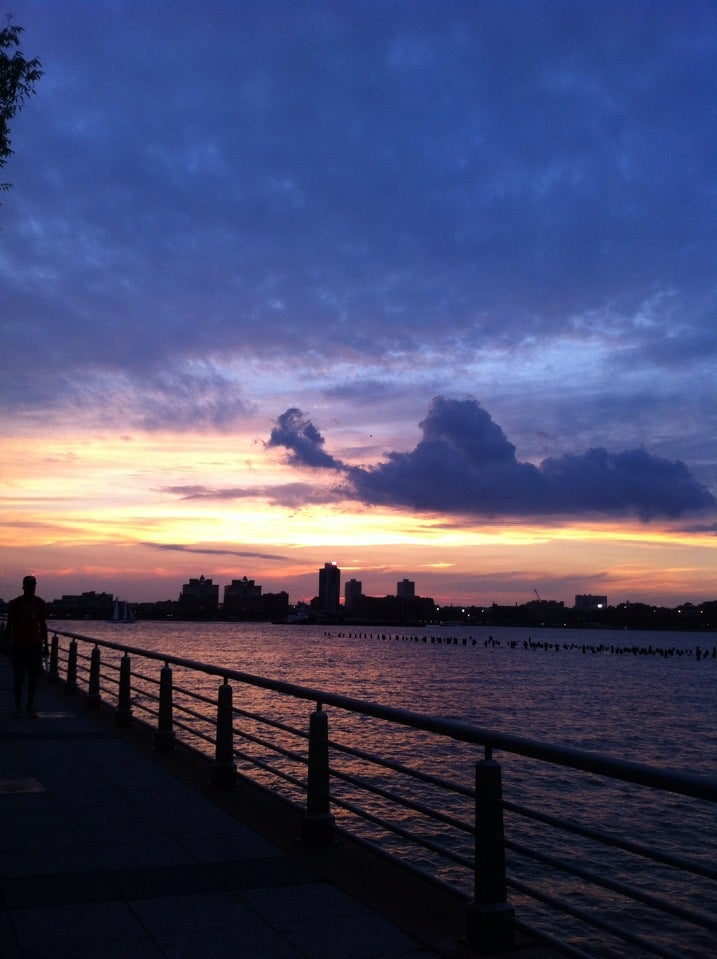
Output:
(27, 626)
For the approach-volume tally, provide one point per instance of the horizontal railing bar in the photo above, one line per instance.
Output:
(403, 833)
(274, 723)
(273, 747)
(404, 863)
(194, 732)
(681, 783)
(630, 892)
(402, 801)
(190, 694)
(153, 680)
(610, 839)
(406, 770)
(267, 767)
(595, 921)
(535, 932)
(188, 711)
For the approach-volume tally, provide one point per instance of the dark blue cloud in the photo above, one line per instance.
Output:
(464, 464)
(303, 441)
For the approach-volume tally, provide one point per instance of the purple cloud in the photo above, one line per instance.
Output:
(465, 464)
(303, 441)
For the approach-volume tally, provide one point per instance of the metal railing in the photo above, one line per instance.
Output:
(428, 792)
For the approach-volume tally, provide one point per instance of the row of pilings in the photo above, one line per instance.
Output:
(698, 653)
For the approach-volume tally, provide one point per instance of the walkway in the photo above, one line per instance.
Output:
(108, 849)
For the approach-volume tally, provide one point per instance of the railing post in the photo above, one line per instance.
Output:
(53, 675)
(123, 713)
(71, 680)
(223, 772)
(93, 694)
(317, 826)
(490, 916)
(164, 737)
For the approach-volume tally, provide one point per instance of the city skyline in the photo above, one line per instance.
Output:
(426, 290)
(403, 588)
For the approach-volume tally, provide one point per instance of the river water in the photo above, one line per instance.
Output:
(650, 697)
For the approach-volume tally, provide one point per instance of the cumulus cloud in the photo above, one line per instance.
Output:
(464, 464)
(303, 441)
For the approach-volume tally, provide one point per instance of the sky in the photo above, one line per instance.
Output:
(426, 289)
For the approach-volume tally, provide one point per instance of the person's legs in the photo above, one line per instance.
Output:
(18, 669)
(34, 665)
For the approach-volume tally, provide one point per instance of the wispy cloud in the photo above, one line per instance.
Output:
(213, 551)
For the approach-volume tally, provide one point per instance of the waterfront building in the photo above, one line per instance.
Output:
(405, 589)
(199, 599)
(242, 599)
(88, 605)
(586, 601)
(353, 591)
(329, 588)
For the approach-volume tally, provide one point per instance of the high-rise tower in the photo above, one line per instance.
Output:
(329, 588)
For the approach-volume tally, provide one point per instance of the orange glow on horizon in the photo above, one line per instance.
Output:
(141, 507)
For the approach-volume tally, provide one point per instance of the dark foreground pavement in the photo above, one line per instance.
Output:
(112, 851)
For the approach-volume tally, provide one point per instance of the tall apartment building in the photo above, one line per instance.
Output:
(242, 598)
(329, 588)
(353, 591)
(199, 599)
(406, 589)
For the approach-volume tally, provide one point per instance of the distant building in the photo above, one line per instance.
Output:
(353, 591)
(242, 599)
(586, 601)
(275, 606)
(329, 588)
(89, 605)
(406, 589)
(199, 599)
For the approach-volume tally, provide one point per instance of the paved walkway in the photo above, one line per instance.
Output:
(108, 851)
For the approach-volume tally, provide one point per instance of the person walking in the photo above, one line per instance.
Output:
(27, 628)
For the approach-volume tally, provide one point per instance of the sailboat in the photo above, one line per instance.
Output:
(122, 613)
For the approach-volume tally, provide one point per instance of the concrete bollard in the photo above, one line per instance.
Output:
(93, 696)
(317, 825)
(71, 679)
(224, 770)
(489, 915)
(164, 737)
(123, 713)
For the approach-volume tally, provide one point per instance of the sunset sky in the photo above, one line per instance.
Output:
(426, 289)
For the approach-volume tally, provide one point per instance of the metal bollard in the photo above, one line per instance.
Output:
(490, 916)
(164, 737)
(71, 680)
(123, 713)
(224, 770)
(93, 696)
(53, 675)
(317, 825)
